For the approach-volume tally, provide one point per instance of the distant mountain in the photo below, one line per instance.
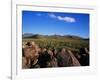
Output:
(25, 35)
(37, 36)
(73, 36)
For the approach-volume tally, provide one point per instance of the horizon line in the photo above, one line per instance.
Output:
(56, 34)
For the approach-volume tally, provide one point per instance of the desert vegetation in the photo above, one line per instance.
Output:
(41, 51)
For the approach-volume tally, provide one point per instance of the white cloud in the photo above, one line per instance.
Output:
(52, 15)
(68, 19)
(61, 18)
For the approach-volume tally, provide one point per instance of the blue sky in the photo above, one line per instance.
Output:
(49, 23)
